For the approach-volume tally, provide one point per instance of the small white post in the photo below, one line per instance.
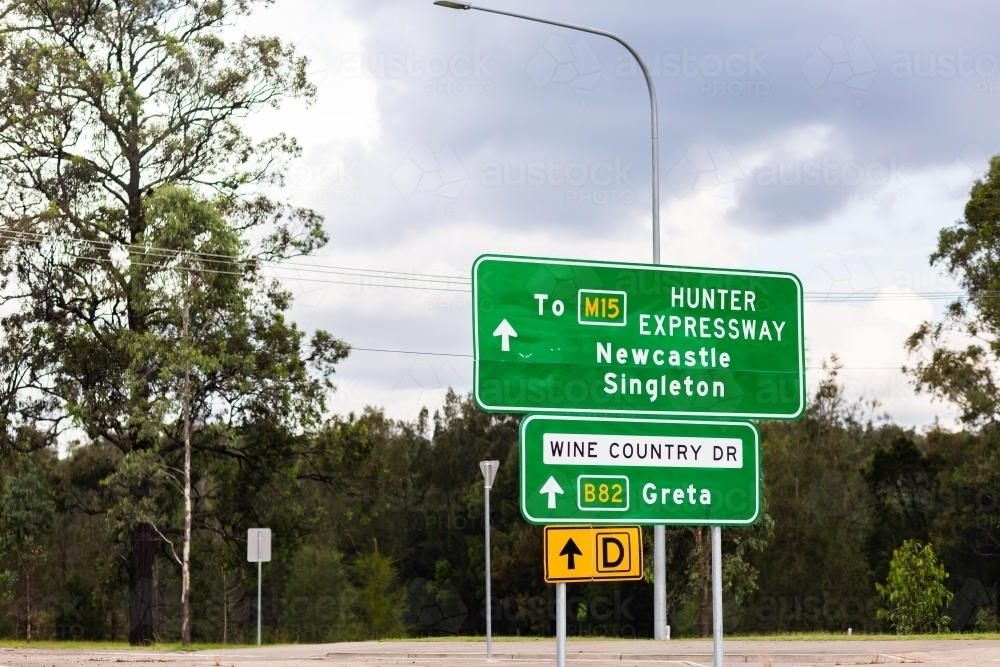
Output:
(717, 594)
(489, 469)
(560, 625)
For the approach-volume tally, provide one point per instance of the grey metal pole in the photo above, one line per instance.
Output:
(659, 582)
(489, 602)
(717, 594)
(560, 625)
(659, 534)
(258, 586)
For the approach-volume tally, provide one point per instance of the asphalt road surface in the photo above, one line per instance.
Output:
(933, 653)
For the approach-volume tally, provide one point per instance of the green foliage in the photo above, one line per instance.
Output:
(915, 592)
(821, 509)
(739, 575)
(319, 597)
(85, 613)
(902, 480)
(122, 157)
(832, 480)
(970, 251)
(379, 600)
(26, 516)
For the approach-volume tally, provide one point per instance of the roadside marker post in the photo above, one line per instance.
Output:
(258, 551)
(489, 469)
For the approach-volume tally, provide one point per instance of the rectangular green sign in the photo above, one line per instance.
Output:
(572, 336)
(613, 470)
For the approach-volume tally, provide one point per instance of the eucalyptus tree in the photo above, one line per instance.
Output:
(104, 104)
(956, 358)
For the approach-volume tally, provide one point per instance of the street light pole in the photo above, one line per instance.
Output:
(649, 84)
(659, 533)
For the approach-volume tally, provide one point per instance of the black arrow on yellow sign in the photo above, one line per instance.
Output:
(571, 551)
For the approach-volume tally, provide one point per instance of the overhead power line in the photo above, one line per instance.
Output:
(389, 279)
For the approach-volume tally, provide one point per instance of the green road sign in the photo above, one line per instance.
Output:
(614, 470)
(569, 336)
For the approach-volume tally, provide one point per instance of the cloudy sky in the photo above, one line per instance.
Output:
(830, 140)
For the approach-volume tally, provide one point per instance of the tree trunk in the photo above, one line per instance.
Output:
(140, 584)
(186, 557)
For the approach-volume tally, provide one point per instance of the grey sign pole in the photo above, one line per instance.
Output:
(659, 534)
(660, 583)
(560, 625)
(489, 469)
(717, 594)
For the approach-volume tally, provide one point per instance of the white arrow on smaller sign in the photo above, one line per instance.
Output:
(552, 487)
(505, 331)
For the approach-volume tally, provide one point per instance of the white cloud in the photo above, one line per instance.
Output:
(381, 151)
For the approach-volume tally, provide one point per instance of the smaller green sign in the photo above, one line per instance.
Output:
(613, 470)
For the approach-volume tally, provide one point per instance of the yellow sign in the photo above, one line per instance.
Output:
(598, 553)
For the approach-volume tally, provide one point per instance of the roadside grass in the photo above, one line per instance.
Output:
(782, 637)
(82, 645)
(859, 636)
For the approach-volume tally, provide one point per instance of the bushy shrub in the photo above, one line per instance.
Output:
(915, 592)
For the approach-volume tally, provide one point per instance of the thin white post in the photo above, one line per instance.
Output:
(717, 594)
(489, 601)
(560, 625)
(489, 469)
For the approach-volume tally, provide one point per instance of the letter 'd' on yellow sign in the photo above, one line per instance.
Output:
(592, 553)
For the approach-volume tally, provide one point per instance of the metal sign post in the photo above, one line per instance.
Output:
(489, 469)
(717, 595)
(560, 625)
(660, 583)
(258, 551)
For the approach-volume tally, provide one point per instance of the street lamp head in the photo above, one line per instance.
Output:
(453, 5)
